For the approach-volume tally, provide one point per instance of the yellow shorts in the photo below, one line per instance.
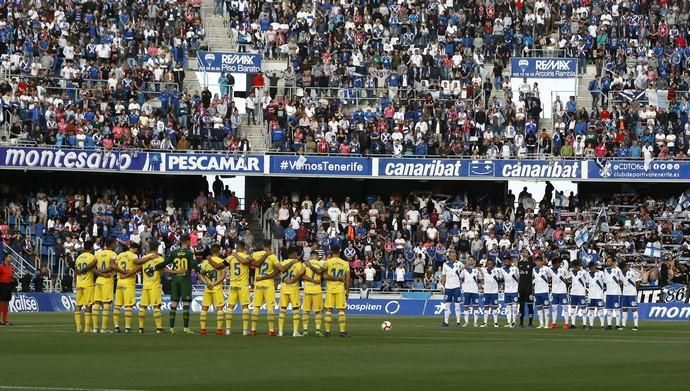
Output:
(213, 297)
(151, 297)
(85, 296)
(289, 296)
(313, 301)
(264, 294)
(335, 300)
(104, 291)
(239, 295)
(124, 295)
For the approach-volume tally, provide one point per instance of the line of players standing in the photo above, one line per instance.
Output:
(527, 281)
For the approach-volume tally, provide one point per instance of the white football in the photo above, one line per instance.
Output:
(386, 325)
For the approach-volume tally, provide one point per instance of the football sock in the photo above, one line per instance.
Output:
(546, 316)
(202, 319)
(142, 317)
(317, 321)
(624, 321)
(271, 318)
(446, 312)
(245, 318)
(609, 317)
(305, 321)
(486, 315)
(116, 315)
(128, 317)
(466, 315)
(601, 315)
(509, 314)
(636, 318)
(95, 313)
(327, 320)
(573, 315)
(157, 318)
(173, 315)
(617, 315)
(87, 321)
(342, 321)
(220, 319)
(458, 312)
(281, 320)
(494, 314)
(541, 317)
(185, 315)
(255, 318)
(554, 313)
(475, 316)
(228, 320)
(77, 319)
(296, 319)
(106, 316)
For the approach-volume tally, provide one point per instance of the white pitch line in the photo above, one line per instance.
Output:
(63, 388)
(541, 339)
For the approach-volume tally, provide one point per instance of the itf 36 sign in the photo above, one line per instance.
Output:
(543, 68)
(229, 62)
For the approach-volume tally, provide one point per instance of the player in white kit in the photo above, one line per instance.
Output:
(511, 277)
(631, 283)
(490, 276)
(559, 290)
(469, 277)
(541, 278)
(578, 291)
(595, 295)
(613, 286)
(450, 287)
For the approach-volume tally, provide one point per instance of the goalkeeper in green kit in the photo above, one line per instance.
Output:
(180, 263)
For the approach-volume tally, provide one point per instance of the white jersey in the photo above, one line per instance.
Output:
(540, 278)
(511, 277)
(452, 273)
(612, 281)
(595, 285)
(491, 278)
(630, 279)
(470, 280)
(559, 278)
(579, 284)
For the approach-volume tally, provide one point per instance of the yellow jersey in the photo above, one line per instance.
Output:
(211, 273)
(125, 261)
(103, 262)
(239, 273)
(293, 271)
(310, 287)
(337, 268)
(152, 276)
(266, 268)
(85, 280)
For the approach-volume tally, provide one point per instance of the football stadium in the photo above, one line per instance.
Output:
(344, 195)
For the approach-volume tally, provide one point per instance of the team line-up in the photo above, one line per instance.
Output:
(95, 284)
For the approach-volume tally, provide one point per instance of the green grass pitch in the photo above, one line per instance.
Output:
(42, 352)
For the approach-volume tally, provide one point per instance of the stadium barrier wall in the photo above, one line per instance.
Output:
(64, 302)
(255, 164)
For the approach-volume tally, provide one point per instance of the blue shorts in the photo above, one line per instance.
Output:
(541, 299)
(613, 302)
(490, 299)
(595, 303)
(453, 296)
(510, 298)
(559, 298)
(577, 300)
(629, 302)
(471, 298)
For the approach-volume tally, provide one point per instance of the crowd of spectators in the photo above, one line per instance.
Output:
(401, 241)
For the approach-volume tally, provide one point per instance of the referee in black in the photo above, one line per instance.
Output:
(525, 289)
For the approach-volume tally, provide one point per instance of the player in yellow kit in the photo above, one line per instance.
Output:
(292, 270)
(126, 286)
(213, 293)
(313, 295)
(238, 292)
(267, 268)
(337, 276)
(103, 294)
(151, 291)
(83, 273)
